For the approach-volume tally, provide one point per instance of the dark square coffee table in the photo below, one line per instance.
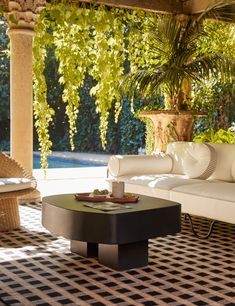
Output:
(118, 238)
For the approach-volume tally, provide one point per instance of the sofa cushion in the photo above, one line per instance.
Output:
(199, 160)
(233, 170)
(208, 189)
(176, 150)
(14, 184)
(162, 181)
(225, 153)
(214, 200)
(155, 185)
(120, 165)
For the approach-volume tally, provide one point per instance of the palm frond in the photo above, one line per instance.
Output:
(208, 65)
(175, 45)
(221, 10)
(143, 83)
(164, 36)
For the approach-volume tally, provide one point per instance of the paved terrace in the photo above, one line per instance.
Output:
(72, 180)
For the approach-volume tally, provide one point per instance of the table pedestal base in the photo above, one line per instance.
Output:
(85, 249)
(116, 256)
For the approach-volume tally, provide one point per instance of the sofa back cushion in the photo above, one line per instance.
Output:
(121, 165)
(225, 159)
(199, 160)
(225, 166)
(233, 170)
(177, 150)
(195, 160)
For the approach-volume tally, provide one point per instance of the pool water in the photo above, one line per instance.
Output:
(60, 162)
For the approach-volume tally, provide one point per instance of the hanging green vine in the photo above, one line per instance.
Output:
(90, 40)
(43, 113)
(72, 39)
(149, 136)
(107, 68)
(139, 53)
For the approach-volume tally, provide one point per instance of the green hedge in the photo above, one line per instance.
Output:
(125, 137)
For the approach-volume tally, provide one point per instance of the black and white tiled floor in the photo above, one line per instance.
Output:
(37, 268)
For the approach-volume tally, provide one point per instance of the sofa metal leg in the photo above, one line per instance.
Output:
(206, 236)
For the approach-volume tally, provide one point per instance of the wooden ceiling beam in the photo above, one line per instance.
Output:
(199, 6)
(160, 6)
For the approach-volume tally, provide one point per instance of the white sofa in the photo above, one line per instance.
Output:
(199, 176)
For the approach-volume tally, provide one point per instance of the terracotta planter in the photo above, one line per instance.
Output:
(171, 125)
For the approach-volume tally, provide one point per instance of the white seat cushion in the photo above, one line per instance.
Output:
(162, 181)
(14, 184)
(155, 185)
(214, 200)
(150, 185)
(213, 189)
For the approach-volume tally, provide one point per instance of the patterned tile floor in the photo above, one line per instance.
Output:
(37, 268)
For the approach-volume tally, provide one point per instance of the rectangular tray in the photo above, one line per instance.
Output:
(86, 196)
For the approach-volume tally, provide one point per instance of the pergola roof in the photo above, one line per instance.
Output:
(161, 6)
(171, 6)
(186, 7)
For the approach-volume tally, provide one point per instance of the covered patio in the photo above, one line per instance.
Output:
(37, 267)
(21, 16)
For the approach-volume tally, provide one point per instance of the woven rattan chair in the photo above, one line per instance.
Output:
(9, 208)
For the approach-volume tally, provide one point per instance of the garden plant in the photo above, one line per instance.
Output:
(99, 44)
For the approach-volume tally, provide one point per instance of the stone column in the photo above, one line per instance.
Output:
(21, 96)
(21, 16)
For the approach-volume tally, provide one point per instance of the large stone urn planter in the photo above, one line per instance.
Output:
(171, 125)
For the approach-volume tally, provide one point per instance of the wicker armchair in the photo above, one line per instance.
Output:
(9, 208)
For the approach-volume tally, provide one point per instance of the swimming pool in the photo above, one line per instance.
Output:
(60, 162)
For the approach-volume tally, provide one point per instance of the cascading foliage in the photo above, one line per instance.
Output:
(43, 113)
(105, 43)
(90, 40)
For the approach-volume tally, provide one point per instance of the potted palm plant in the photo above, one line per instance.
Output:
(175, 42)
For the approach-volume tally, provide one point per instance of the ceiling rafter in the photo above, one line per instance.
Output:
(160, 6)
(199, 6)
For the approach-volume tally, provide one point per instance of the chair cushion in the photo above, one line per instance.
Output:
(199, 161)
(14, 184)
